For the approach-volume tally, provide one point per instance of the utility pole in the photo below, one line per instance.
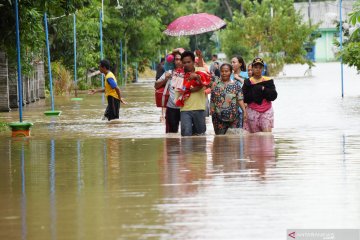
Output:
(309, 12)
(341, 47)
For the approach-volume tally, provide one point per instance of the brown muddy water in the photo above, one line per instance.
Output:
(79, 177)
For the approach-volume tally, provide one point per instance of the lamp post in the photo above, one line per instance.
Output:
(121, 63)
(76, 98)
(309, 12)
(52, 112)
(19, 129)
(18, 60)
(341, 47)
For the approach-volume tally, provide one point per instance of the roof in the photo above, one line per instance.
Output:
(325, 12)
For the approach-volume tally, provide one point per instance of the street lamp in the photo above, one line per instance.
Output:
(341, 47)
(118, 7)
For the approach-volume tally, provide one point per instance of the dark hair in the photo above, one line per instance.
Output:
(188, 54)
(241, 60)
(215, 55)
(162, 59)
(226, 64)
(105, 64)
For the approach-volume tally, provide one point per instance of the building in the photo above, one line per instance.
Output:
(326, 14)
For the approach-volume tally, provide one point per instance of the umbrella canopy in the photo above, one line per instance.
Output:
(194, 24)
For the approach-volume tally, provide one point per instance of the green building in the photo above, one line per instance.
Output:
(326, 14)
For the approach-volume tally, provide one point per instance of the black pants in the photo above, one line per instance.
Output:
(172, 116)
(112, 109)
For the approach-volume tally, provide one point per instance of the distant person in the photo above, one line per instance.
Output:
(239, 72)
(176, 77)
(217, 69)
(265, 70)
(111, 90)
(226, 98)
(160, 69)
(249, 70)
(259, 91)
(214, 59)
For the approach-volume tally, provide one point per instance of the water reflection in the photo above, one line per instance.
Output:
(81, 178)
(247, 155)
(79, 171)
(23, 195)
(183, 165)
(260, 149)
(173, 188)
(52, 167)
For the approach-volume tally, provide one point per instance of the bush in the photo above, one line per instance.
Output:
(3, 126)
(62, 79)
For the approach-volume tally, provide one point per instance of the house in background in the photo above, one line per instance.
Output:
(326, 14)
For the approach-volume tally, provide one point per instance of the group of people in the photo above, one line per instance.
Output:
(240, 96)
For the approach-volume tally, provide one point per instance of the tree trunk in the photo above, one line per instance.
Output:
(228, 7)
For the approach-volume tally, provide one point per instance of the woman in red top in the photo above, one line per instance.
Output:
(259, 92)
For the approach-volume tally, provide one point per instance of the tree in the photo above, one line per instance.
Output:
(270, 28)
(351, 51)
(32, 35)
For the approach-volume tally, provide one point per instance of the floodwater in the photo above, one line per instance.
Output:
(79, 177)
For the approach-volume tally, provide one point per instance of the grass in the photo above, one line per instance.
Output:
(148, 73)
(3, 126)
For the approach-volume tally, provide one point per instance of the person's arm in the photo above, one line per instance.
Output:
(196, 77)
(243, 108)
(240, 101)
(269, 90)
(247, 92)
(237, 77)
(93, 91)
(117, 89)
(200, 56)
(196, 89)
(162, 80)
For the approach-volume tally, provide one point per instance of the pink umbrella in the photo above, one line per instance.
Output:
(194, 24)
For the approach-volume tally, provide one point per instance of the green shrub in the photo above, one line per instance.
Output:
(3, 126)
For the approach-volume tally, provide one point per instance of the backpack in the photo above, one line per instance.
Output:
(162, 95)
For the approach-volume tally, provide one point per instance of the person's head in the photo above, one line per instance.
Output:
(257, 67)
(249, 70)
(225, 71)
(104, 66)
(162, 61)
(214, 57)
(216, 65)
(177, 61)
(188, 61)
(238, 63)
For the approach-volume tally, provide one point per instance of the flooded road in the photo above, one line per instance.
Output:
(79, 177)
